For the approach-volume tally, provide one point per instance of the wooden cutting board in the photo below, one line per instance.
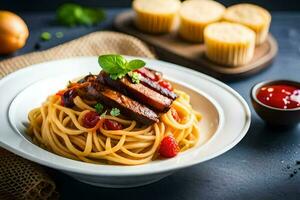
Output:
(171, 48)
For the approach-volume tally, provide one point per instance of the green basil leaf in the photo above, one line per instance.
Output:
(68, 14)
(135, 64)
(117, 66)
(71, 14)
(112, 64)
(91, 16)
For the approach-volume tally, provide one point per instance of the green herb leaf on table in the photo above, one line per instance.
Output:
(71, 14)
(59, 34)
(91, 16)
(115, 112)
(68, 14)
(117, 66)
(99, 107)
(46, 36)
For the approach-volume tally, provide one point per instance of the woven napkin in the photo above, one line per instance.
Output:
(20, 178)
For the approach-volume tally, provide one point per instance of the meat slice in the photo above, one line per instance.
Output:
(139, 92)
(150, 78)
(149, 73)
(128, 107)
(111, 98)
(158, 88)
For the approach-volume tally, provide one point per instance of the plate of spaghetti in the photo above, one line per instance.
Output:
(118, 121)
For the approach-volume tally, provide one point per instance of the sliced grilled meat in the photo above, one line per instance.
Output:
(149, 73)
(139, 92)
(158, 88)
(150, 78)
(157, 73)
(87, 78)
(129, 107)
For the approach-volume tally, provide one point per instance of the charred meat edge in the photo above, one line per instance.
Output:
(156, 87)
(145, 80)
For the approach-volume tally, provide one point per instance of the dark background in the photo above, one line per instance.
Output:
(44, 5)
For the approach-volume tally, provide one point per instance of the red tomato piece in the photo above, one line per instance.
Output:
(112, 125)
(90, 119)
(166, 84)
(169, 147)
(158, 76)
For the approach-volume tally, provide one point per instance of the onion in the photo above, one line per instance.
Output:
(13, 32)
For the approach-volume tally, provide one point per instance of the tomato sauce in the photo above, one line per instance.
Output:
(90, 119)
(280, 96)
(112, 125)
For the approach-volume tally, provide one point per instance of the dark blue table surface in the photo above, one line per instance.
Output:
(259, 167)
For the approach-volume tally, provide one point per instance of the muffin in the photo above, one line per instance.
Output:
(195, 15)
(229, 44)
(252, 16)
(156, 16)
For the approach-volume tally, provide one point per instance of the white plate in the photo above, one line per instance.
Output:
(226, 119)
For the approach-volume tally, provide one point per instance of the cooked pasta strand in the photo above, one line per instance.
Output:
(59, 129)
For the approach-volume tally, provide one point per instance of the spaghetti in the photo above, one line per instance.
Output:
(59, 129)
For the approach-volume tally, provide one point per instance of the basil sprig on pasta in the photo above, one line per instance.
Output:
(117, 66)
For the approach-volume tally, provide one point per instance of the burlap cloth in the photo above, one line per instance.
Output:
(20, 178)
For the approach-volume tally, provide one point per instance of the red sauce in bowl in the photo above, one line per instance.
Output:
(280, 96)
